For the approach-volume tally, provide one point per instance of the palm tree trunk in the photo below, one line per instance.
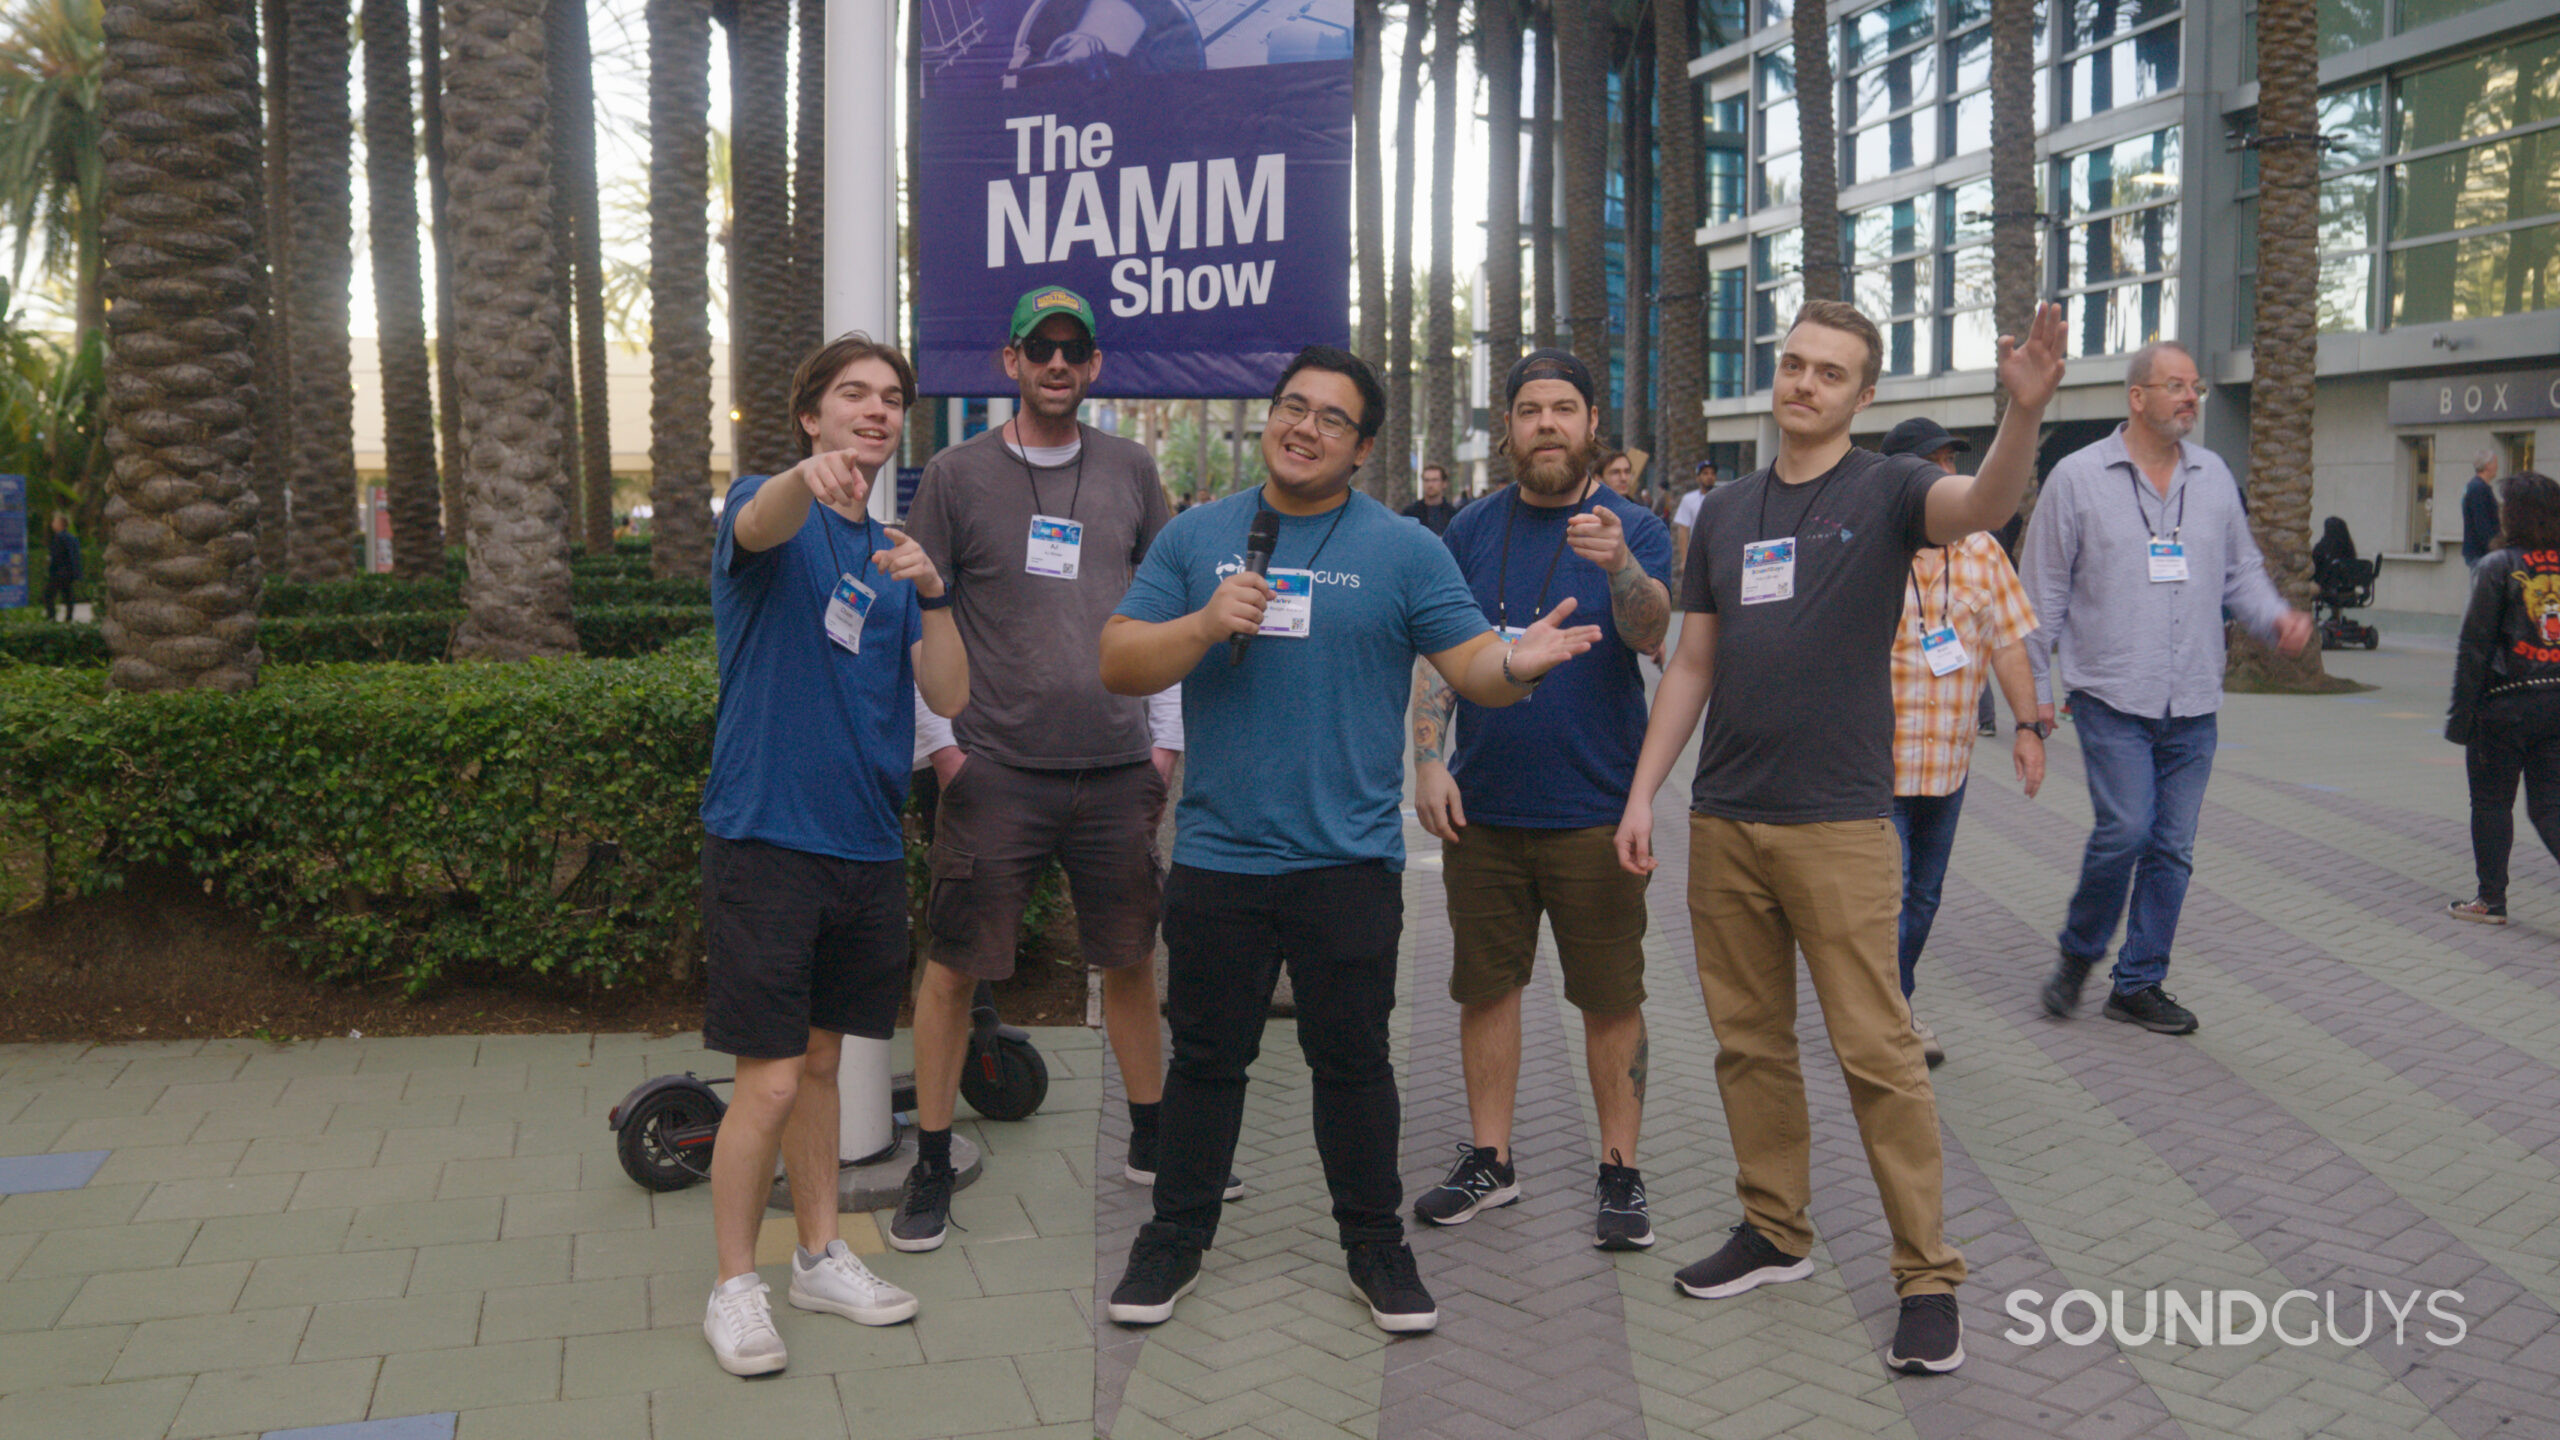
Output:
(2014, 222)
(274, 456)
(1543, 270)
(576, 124)
(679, 288)
(809, 182)
(760, 269)
(440, 231)
(564, 244)
(1636, 157)
(1392, 461)
(1815, 93)
(1442, 401)
(399, 301)
(1683, 425)
(180, 147)
(2287, 343)
(325, 535)
(1368, 163)
(1498, 55)
(1582, 55)
(507, 350)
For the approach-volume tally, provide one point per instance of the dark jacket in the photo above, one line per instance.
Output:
(62, 556)
(2479, 520)
(1434, 518)
(2510, 637)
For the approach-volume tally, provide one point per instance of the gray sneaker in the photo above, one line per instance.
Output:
(1930, 1049)
(2062, 988)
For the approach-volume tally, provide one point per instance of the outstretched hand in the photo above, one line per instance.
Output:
(2031, 367)
(905, 560)
(1547, 644)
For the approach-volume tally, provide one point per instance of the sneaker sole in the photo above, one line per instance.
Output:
(2156, 1027)
(2475, 919)
(916, 1247)
(1399, 1324)
(747, 1367)
(1136, 1176)
(1493, 1200)
(1925, 1367)
(1624, 1242)
(1765, 1275)
(1148, 1314)
(859, 1314)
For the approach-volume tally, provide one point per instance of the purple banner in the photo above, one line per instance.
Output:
(1185, 165)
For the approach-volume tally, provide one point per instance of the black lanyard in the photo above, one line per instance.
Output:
(1260, 505)
(1946, 593)
(1761, 529)
(1502, 574)
(2136, 478)
(1021, 450)
(836, 560)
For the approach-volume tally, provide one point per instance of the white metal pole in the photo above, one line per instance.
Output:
(860, 292)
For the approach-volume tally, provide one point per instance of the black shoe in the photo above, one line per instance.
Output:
(1929, 1338)
(1479, 1181)
(1383, 1271)
(1141, 1167)
(2153, 1009)
(924, 1211)
(1160, 1272)
(2062, 988)
(1990, 727)
(1748, 1259)
(1624, 1223)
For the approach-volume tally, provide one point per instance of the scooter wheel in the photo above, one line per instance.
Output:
(2372, 639)
(1004, 1078)
(644, 1142)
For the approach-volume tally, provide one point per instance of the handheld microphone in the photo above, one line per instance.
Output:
(1258, 545)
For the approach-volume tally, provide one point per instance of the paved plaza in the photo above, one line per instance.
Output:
(401, 1239)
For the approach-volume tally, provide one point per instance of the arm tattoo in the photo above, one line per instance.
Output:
(1641, 606)
(1434, 706)
(1643, 1063)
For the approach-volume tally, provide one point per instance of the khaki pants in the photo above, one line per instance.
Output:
(1757, 893)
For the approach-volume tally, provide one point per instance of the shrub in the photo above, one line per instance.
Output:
(414, 636)
(616, 630)
(423, 822)
(372, 594)
(588, 590)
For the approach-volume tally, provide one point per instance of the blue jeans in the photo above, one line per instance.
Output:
(2146, 783)
(1927, 825)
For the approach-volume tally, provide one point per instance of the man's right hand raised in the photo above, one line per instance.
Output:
(1236, 606)
(832, 478)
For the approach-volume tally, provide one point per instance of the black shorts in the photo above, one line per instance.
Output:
(799, 942)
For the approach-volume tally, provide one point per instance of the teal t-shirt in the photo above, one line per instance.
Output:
(1296, 757)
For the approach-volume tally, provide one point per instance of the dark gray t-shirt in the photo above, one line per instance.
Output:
(1799, 725)
(1035, 642)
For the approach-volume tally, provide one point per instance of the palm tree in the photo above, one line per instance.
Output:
(440, 231)
(1542, 178)
(506, 353)
(1498, 52)
(1582, 54)
(1393, 459)
(2014, 222)
(1815, 92)
(760, 269)
(679, 288)
(2286, 344)
(1368, 169)
(575, 129)
(322, 242)
(273, 461)
(809, 180)
(1682, 441)
(1443, 402)
(178, 186)
(51, 59)
(564, 245)
(391, 190)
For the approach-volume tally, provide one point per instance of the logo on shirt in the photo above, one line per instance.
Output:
(1235, 563)
(2542, 602)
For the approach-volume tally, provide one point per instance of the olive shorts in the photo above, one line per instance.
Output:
(1502, 878)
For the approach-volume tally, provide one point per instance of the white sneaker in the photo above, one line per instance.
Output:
(1930, 1049)
(841, 1284)
(739, 1325)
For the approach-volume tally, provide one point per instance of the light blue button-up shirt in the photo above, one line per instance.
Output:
(2145, 648)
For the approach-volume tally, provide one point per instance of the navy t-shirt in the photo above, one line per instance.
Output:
(1296, 756)
(813, 742)
(1564, 758)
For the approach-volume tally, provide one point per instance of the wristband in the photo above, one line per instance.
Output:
(933, 602)
(2041, 729)
(1515, 681)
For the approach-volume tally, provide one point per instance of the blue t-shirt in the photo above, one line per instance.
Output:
(1566, 757)
(1297, 755)
(813, 742)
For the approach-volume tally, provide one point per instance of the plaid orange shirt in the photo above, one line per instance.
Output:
(1934, 715)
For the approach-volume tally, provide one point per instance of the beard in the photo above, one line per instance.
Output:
(1555, 472)
(2171, 425)
(1039, 403)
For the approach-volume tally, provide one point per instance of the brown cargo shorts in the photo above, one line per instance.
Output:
(1502, 878)
(998, 828)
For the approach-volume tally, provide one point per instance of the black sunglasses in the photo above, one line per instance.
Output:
(1038, 348)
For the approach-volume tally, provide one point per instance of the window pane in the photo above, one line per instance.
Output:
(2485, 185)
(2095, 20)
(2414, 13)
(1969, 276)
(2504, 274)
(2244, 221)
(1889, 27)
(1724, 197)
(1969, 212)
(1897, 84)
(1961, 13)
(1969, 61)
(2481, 95)
(1780, 129)
(2353, 118)
(2130, 172)
(1778, 72)
(1901, 228)
(2346, 210)
(2137, 69)
(2346, 293)
(1973, 123)
(1775, 308)
(1779, 254)
(1896, 145)
(1902, 339)
(1900, 288)
(1973, 341)
(2111, 322)
(2346, 24)
(1781, 179)
(2141, 243)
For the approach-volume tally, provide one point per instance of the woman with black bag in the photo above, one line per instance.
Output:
(2506, 687)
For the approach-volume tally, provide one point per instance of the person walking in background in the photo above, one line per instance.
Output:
(1435, 509)
(2506, 687)
(61, 566)
(2138, 544)
(2480, 508)
(1617, 470)
(1684, 518)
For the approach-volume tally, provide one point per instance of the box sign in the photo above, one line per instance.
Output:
(2461, 399)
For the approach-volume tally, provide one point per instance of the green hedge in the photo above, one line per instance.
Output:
(414, 636)
(377, 594)
(423, 822)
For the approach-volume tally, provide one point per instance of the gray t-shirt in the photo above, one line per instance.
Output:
(1035, 642)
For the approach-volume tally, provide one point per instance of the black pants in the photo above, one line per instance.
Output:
(1228, 935)
(2513, 736)
(55, 588)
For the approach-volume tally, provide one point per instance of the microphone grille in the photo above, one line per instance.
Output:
(1266, 531)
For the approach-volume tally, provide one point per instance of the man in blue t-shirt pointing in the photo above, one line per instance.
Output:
(1527, 804)
(1290, 842)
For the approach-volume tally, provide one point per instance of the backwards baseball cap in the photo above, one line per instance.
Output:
(1548, 364)
(1920, 435)
(1038, 305)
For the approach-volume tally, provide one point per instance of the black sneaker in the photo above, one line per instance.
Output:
(924, 1212)
(1160, 1272)
(1929, 1338)
(1747, 1260)
(2153, 1009)
(1479, 1181)
(1384, 1273)
(1141, 1166)
(1624, 1223)
(2062, 988)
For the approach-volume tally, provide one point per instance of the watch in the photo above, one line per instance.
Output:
(2043, 729)
(933, 602)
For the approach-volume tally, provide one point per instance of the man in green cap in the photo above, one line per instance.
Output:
(1037, 527)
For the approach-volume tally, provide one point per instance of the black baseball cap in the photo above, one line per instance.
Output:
(1548, 364)
(1922, 436)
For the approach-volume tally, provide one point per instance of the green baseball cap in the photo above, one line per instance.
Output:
(1038, 305)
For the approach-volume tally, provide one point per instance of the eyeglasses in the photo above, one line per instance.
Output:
(1038, 348)
(2178, 389)
(1331, 424)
